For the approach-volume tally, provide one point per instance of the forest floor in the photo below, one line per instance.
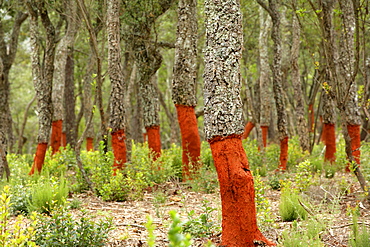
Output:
(327, 205)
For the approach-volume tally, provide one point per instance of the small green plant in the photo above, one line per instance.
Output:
(360, 236)
(203, 225)
(300, 235)
(204, 180)
(303, 177)
(19, 233)
(75, 204)
(263, 206)
(150, 227)
(61, 229)
(175, 235)
(47, 195)
(289, 207)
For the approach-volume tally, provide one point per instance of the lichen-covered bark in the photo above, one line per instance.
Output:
(117, 111)
(87, 95)
(264, 79)
(42, 77)
(222, 103)
(69, 123)
(296, 80)
(148, 60)
(185, 67)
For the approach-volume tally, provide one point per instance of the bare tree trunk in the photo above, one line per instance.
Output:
(296, 80)
(223, 121)
(273, 11)
(42, 77)
(115, 70)
(184, 84)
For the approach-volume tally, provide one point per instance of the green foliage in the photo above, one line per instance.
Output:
(295, 153)
(19, 233)
(47, 195)
(175, 235)
(308, 235)
(263, 206)
(360, 236)
(202, 225)
(64, 230)
(289, 207)
(303, 177)
(204, 180)
(150, 227)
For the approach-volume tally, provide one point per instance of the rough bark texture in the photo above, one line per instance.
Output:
(224, 122)
(264, 79)
(42, 77)
(184, 84)
(8, 52)
(311, 118)
(273, 10)
(117, 111)
(296, 80)
(190, 140)
(87, 97)
(69, 122)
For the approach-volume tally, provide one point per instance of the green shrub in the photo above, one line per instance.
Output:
(360, 236)
(302, 236)
(202, 225)
(19, 233)
(263, 206)
(303, 177)
(204, 180)
(46, 195)
(64, 230)
(295, 152)
(289, 207)
(175, 235)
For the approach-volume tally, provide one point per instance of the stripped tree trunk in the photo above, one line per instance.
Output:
(184, 84)
(273, 11)
(347, 85)
(7, 56)
(117, 111)
(264, 79)
(223, 121)
(296, 81)
(42, 77)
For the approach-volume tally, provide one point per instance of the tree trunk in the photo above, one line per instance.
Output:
(42, 78)
(273, 11)
(223, 120)
(296, 80)
(117, 111)
(247, 130)
(184, 84)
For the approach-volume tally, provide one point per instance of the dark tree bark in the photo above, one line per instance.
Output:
(296, 81)
(273, 9)
(42, 76)
(223, 121)
(115, 70)
(184, 84)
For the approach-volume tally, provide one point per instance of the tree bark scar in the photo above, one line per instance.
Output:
(56, 135)
(190, 139)
(39, 158)
(331, 149)
(283, 153)
(247, 130)
(154, 141)
(354, 132)
(119, 149)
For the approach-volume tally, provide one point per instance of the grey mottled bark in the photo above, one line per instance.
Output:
(273, 11)
(42, 77)
(87, 87)
(185, 67)
(301, 123)
(264, 79)
(8, 52)
(222, 103)
(117, 110)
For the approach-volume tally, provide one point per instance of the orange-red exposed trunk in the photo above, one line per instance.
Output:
(39, 158)
(190, 139)
(247, 130)
(154, 141)
(119, 149)
(354, 132)
(264, 134)
(64, 139)
(239, 223)
(311, 118)
(56, 136)
(90, 144)
(283, 153)
(329, 137)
